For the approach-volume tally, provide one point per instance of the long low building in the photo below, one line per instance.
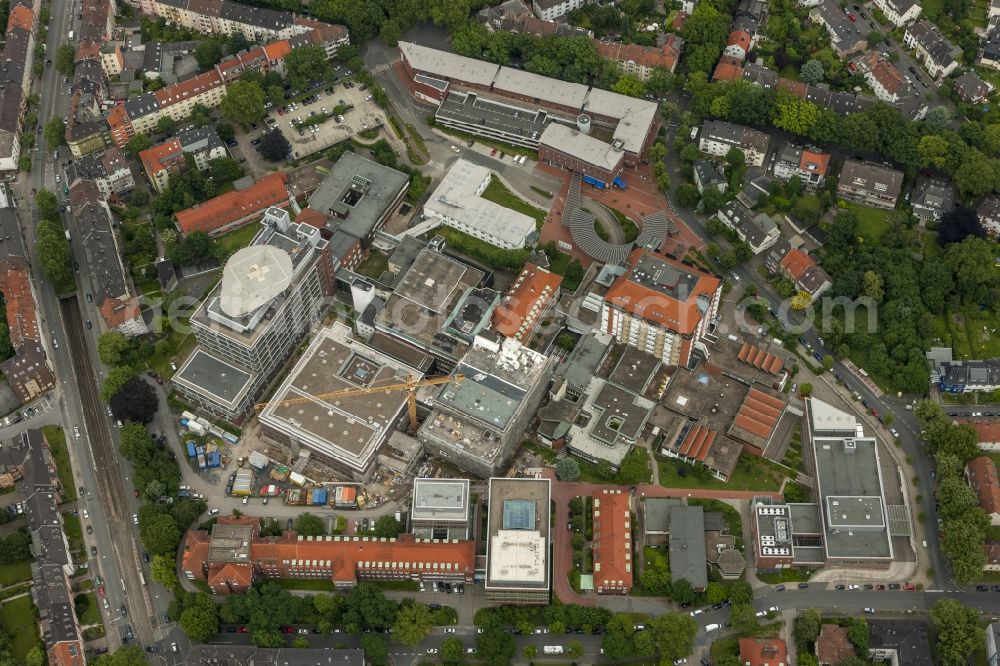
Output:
(232, 209)
(435, 75)
(234, 555)
(458, 202)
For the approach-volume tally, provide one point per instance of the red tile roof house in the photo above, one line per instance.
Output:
(981, 475)
(805, 273)
(763, 652)
(612, 544)
(833, 646)
(233, 209)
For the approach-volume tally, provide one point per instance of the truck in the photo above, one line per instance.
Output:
(553, 649)
(270, 490)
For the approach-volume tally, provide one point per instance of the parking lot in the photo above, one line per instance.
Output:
(311, 124)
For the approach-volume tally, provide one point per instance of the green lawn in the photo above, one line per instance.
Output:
(19, 619)
(15, 572)
(629, 228)
(398, 585)
(931, 248)
(973, 334)
(60, 453)
(93, 614)
(74, 535)
(498, 193)
(751, 473)
(238, 238)
(794, 575)
(374, 265)
(790, 72)
(872, 222)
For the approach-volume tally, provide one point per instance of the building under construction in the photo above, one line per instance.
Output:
(346, 431)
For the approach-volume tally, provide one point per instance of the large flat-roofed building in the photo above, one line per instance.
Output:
(571, 149)
(661, 306)
(270, 293)
(234, 555)
(358, 196)
(458, 202)
(612, 544)
(517, 541)
(477, 424)
(435, 75)
(686, 546)
(441, 509)
(425, 302)
(346, 431)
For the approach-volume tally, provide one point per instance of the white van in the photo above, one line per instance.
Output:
(213, 512)
(712, 627)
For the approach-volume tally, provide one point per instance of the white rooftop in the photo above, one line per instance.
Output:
(582, 146)
(448, 64)
(542, 88)
(826, 417)
(458, 198)
(635, 115)
(252, 277)
(517, 556)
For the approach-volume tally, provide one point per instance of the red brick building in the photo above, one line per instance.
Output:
(612, 544)
(234, 555)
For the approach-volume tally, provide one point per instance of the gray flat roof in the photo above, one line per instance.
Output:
(688, 557)
(581, 146)
(851, 497)
(348, 428)
(359, 192)
(585, 359)
(448, 65)
(475, 109)
(543, 88)
(508, 551)
(440, 499)
(656, 513)
(205, 373)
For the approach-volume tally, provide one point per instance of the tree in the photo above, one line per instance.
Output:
(872, 286)
(308, 524)
(495, 647)
(115, 381)
(807, 628)
(136, 401)
(962, 544)
(629, 85)
(159, 533)
(387, 526)
(35, 657)
(243, 103)
(715, 593)
(529, 651)
(959, 632)
(740, 592)
(452, 650)
(155, 489)
(413, 623)
(568, 469)
(55, 132)
(712, 199)
(165, 124)
(300, 642)
(306, 65)
(128, 655)
(795, 115)
(958, 224)
(805, 390)
(267, 638)
(674, 635)
(163, 569)
(274, 146)
(744, 618)
(224, 170)
(65, 60)
(574, 650)
(975, 176)
(938, 117)
(932, 151)
(55, 255)
(208, 53)
(112, 348)
(682, 592)
(200, 617)
(137, 144)
(859, 634)
(801, 300)
(811, 71)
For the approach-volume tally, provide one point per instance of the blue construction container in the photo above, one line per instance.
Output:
(192, 451)
(214, 459)
(599, 184)
(619, 183)
(319, 496)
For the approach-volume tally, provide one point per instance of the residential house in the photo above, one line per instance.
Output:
(937, 54)
(981, 475)
(798, 267)
(201, 143)
(993, 644)
(763, 652)
(899, 12)
(886, 81)
(833, 646)
(989, 55)
(971, 88)
(706, 174)
(989, 214)
(845, 35)
(758, 231)
(109, 170)
(550, 10)
(728, 69)
(899, 642)
(641, 61)
(932, 198)
(870, 184)
(515, 16)
(809, 164)
(718, 137)
(737, 45)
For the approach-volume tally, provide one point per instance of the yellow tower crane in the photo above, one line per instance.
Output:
(410, 386)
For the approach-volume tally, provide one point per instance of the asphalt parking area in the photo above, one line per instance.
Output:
(314, 126)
